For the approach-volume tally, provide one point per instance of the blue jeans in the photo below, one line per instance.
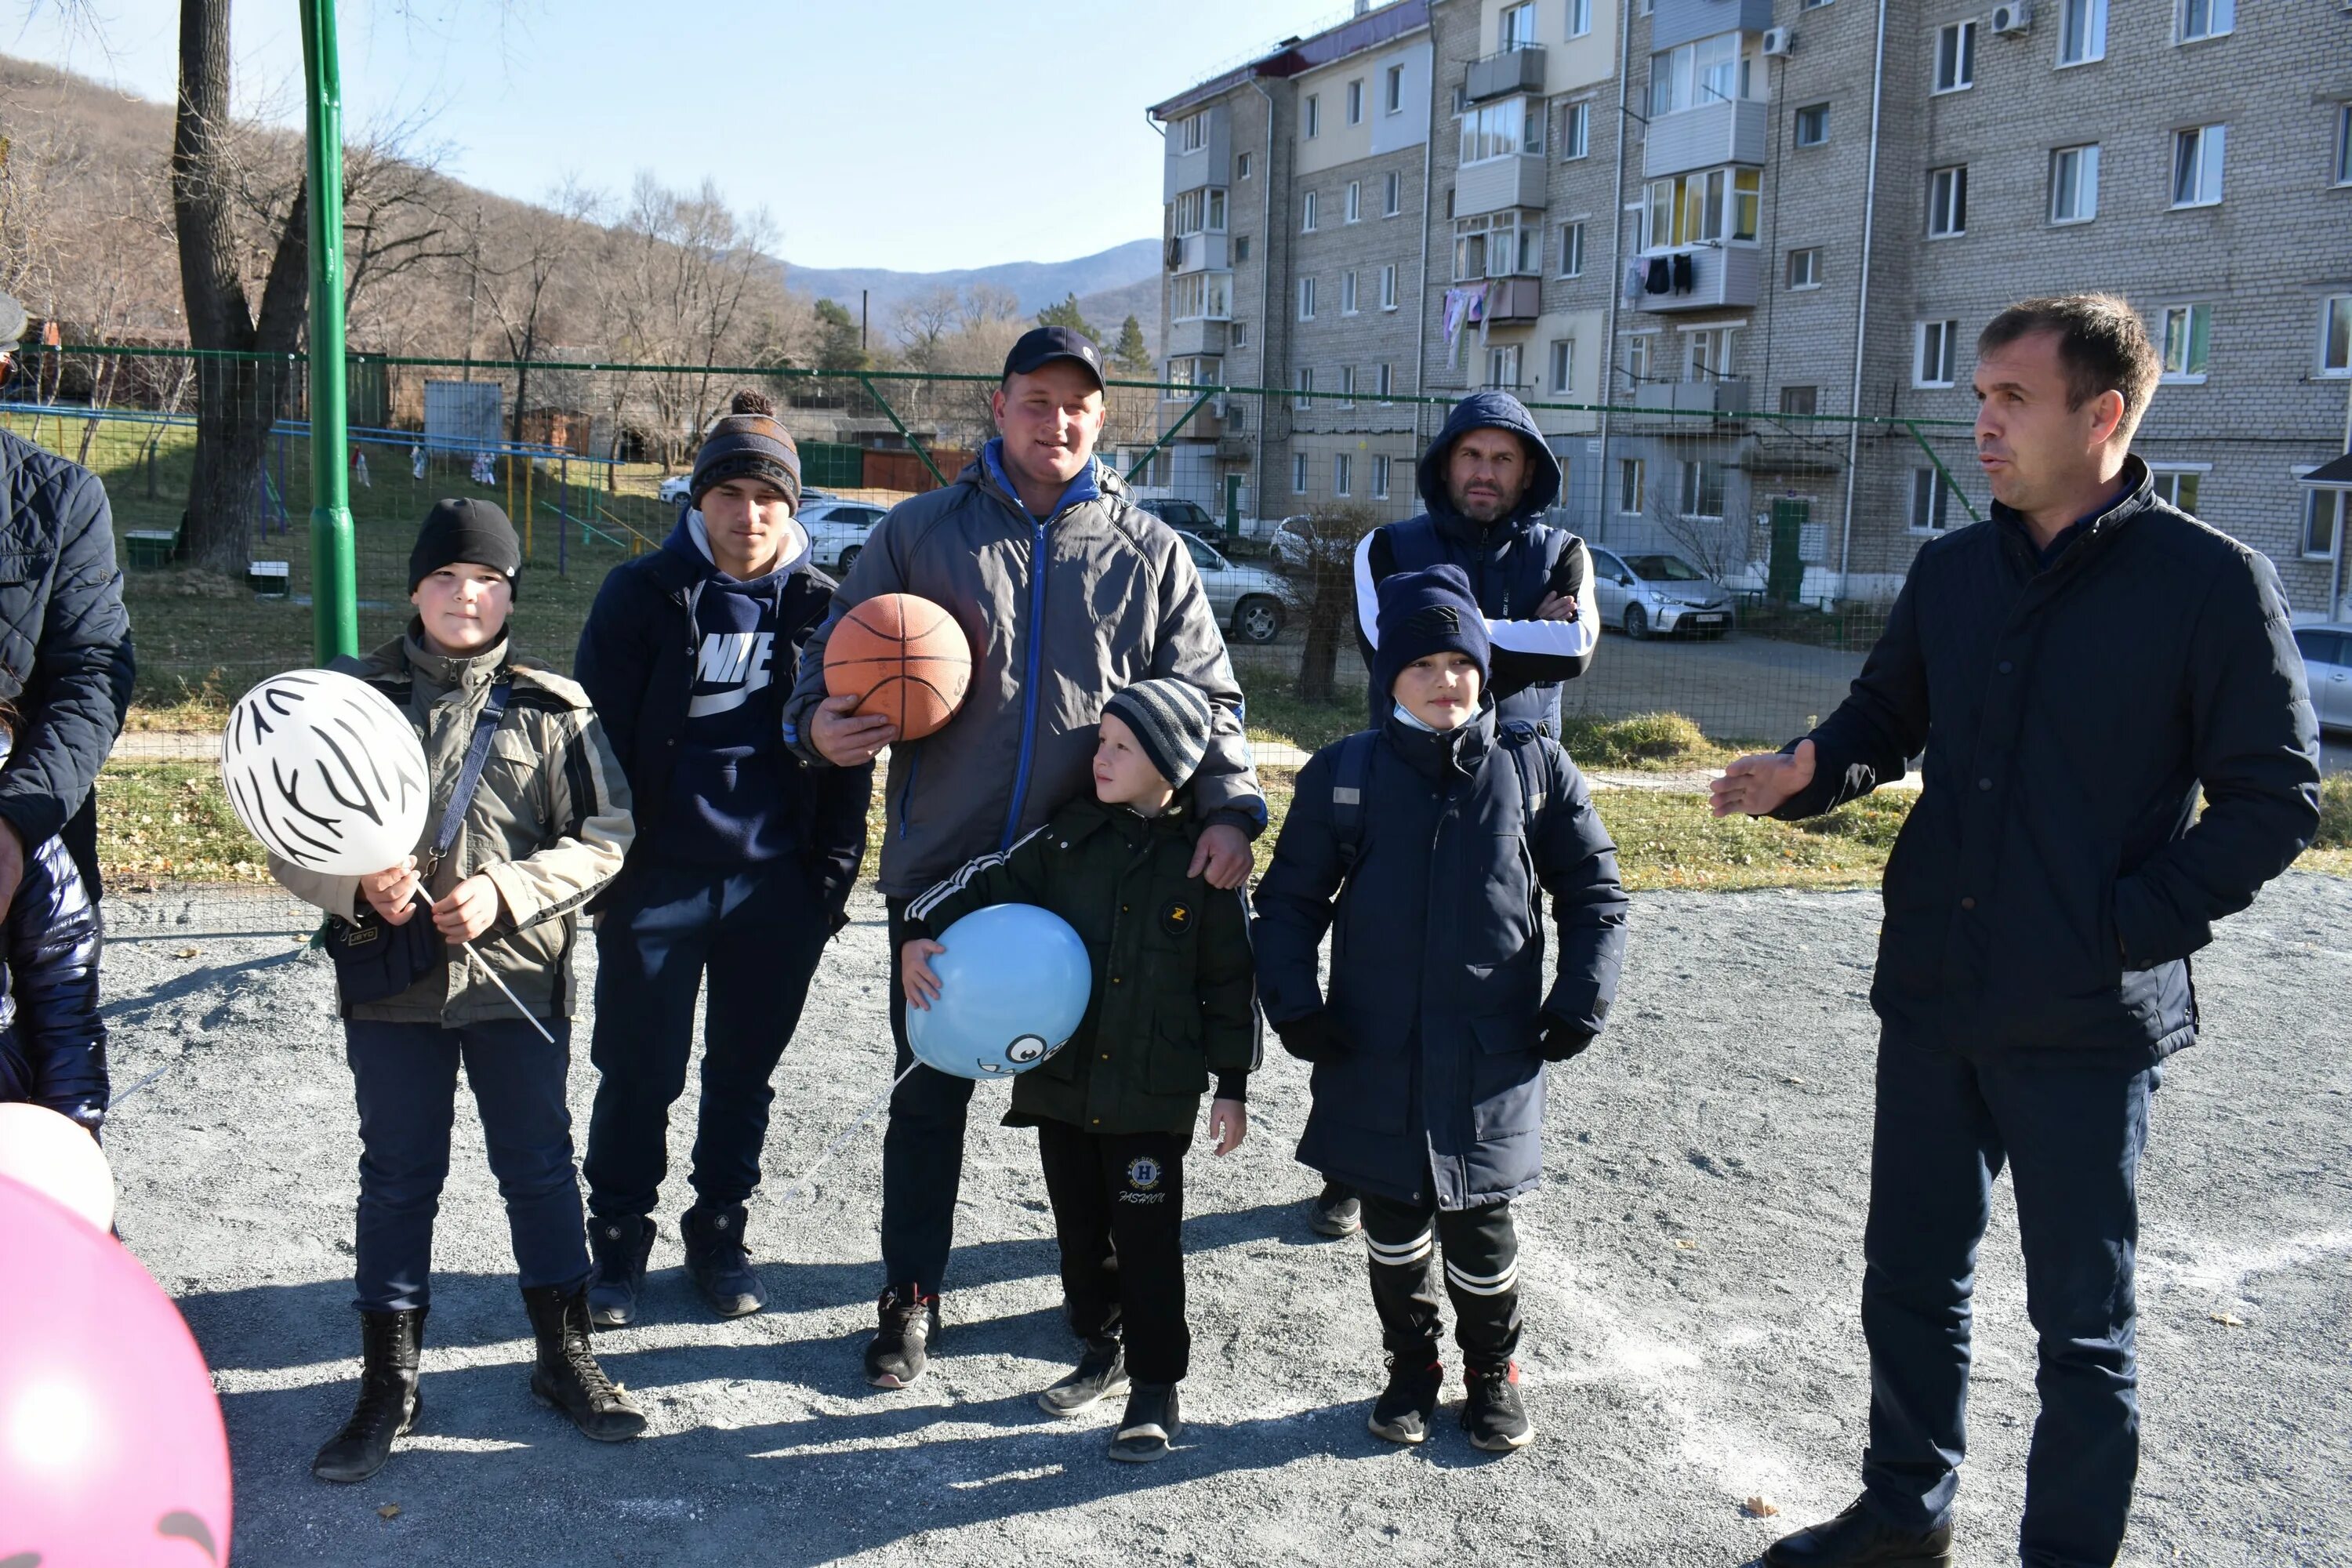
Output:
(407, 1079)
(2071, 1132)
(758, 933)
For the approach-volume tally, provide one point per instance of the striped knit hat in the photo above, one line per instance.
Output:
(1170, 720)
(747, 442)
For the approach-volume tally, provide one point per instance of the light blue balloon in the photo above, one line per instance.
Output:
(1014, 984)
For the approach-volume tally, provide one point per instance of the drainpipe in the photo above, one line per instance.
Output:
(1616, 267)
(1421, 283)
(1267, 403)
(1862, 308)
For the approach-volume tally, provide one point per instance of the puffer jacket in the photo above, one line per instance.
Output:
(1513, 565)
(1172, 1000)
(1117, 600)
(52, 1040)
(1437, 943)
(549, 825)
(64, 642)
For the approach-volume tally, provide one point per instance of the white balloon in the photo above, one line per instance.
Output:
(326, 771)
(55, 1157)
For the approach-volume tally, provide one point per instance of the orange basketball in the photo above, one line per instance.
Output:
(902, 658)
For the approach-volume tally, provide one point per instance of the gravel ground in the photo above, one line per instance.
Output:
(1691, 1269)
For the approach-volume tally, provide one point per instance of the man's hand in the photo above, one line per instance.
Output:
(1224, 855)
(846, 740)
(915, 975)
(1556, 1039)
(1228, 1124)
(468, 911)
(1759, 785)
(11, 866)
(1556, 607)
(1312, 1038)
(392, 892)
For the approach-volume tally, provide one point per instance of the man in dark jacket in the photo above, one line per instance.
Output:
(64, 645)
(2076, 669)
(743, 860)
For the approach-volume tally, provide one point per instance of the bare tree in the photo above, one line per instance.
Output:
(1324, 590)
(520, 292)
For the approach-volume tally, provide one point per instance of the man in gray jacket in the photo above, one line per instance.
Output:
(1115, 601)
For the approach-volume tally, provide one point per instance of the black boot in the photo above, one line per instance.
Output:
(618, 1249)
(1494, 1415)
(1336, 1211)
(1149, 1428)
(1401, 1413)
(718, 1261)
(1102, 1374)
(389, 1404)
(566, 1376)
(1858, 1539)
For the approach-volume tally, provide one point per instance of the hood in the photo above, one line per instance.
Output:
(1097, 480)
(1490, 411)
(691, 541)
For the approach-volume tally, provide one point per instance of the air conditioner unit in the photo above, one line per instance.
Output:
(1780, 40)
(2012, 20)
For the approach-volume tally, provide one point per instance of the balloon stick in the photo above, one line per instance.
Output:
(846, 1133)
(493, 973)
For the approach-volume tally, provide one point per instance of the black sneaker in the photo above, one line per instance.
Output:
(1101, 1373)
(1402, 1412)
(619, 1247)
(1336, 1211)
(1493, 1415)
(1149, 1428)
(1858, 1539)
(718, 1261)
(900, 1347)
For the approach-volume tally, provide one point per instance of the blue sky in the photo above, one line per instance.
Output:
(914, 134)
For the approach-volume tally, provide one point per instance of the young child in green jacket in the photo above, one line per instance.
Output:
(1173, 1003)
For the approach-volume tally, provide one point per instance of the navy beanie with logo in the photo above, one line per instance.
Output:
(1422, 613)
(747, 443)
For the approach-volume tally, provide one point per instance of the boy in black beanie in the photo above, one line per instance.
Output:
(1115, 1108)
(1427, 842)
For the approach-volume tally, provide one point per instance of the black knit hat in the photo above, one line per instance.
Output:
(747, 443)
(1170, 720)
(461, 527)
(1422, 613)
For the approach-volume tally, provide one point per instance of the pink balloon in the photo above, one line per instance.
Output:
(111, 1448)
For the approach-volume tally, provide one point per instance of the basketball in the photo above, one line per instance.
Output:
(904, 659)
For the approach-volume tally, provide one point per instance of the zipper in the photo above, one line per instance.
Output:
(1029, 685)
(906, 793)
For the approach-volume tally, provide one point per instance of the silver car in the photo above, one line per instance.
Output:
(837, 531)
(1246, 601)
(1658, 592)
(2327, 665)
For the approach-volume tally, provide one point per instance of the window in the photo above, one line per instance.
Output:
(1805, 267)
(2178, 486)
(2197, 165)
(1930, 502)
(1813, 126)
(1571, 250)
(1241, 166)
(1356, 101)
(1201, 209)
(1392, 194)
(1697, 209)
(1580, 17)
(1501, 129)
(1201, 295)
(1519, 27)
(1314, 116)
(1384, 380)
(1348, 292)
(1708, 354)
(1393, 92)
(2075, 185)
(1563, 366)
(2336, 336)
(1938, 344)
(2323, 523)
(1343, 479)
(1307, 298)
(1237, 336)
(1304, 380)
(1629, 486)
(1637, 357)
(2344, 144)
(1299, 473)
(1575, 130)
(1503, 366)
(2206, 19)
(1241, 248)
(2082, 31)
(1948, 202)
(1194, 128)
(1379, 476)
(1309, 205)
(1696, 74)
(1702, 489)
(1501, 246)
(1388, 287)
(1800, 399)
(2187, 335)
(1354, 205)
(1956, 56)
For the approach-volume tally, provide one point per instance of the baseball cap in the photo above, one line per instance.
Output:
(1041, 344)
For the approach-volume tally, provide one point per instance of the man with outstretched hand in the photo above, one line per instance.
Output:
(2076, 670)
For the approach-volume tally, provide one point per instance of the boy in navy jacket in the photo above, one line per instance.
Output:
(1423, 847)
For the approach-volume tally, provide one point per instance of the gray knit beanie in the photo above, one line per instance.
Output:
(1170, 720)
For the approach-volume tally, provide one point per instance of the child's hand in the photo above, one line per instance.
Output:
(392, 892)
(1228, 1124)
(468, 911)
(915, 976)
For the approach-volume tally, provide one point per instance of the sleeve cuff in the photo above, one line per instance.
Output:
(1233, 1086)
(1234, 816)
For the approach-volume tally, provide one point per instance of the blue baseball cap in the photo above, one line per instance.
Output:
(1041, 345)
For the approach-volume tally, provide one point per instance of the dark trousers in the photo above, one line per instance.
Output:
(407, 1079)
(757, 933)
(1118, 1214)
(2071, 1133)
(1481, 1249)
(922, 1152)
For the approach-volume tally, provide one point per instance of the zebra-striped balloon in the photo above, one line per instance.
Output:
(326, 771)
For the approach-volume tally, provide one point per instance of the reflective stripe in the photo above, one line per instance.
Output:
(1492, 1285)
(924, 904)
(1404, 1253)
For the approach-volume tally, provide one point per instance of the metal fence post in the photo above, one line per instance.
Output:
(867, 382)
(334, 569)
(1942, 472)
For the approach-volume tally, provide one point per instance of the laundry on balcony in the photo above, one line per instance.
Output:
(1685, 275)
(1657, 280)
(1633, 274)
(1464, 307)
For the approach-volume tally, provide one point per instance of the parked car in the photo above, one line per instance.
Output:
(1184, 516)
(1246, 600)
(674, 489)
(1289, 543)
(1658, 592)
(837, 531)
(2327, 665)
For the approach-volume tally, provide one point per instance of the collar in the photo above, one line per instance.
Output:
(454, 672)
(2135, 488)
(1443, 754)
(1085, 487)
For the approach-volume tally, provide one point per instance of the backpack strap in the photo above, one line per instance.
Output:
(469, 776)
(1351, 770)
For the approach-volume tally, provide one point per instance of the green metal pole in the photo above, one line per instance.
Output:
(334, 573)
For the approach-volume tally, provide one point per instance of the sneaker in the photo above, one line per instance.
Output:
(1401, 1413)
(900, 1347)
(1856, 1538)
(1149, 1428)
(1101, 1373)
(1336, 1211)
(1493, 1415)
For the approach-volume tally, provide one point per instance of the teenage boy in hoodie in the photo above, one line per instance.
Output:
(742, 864)
(1427, 842)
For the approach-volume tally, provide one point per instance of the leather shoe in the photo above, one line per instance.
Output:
(1859, 1539)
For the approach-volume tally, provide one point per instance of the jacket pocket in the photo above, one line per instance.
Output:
(1177, 1065)
(1506, 1078)
(1506, 1036)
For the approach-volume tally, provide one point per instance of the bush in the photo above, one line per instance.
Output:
(2335, 813)
(1644, 739)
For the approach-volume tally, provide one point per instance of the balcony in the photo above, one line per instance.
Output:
(1198, 253)
(1688, 21)
(1198, 336)
(1205, 425)
(1210, 164)
(1693, 397)
(1722, 276)
(1513, 301)
(1513, 70)
(1494, 184)
(1706, 137)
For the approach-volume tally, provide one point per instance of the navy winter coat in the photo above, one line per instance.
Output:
(1437, 979)
(2048, 888)
(1513, 565)
(52, 1041)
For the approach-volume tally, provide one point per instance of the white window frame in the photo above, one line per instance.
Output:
(2221, 20)
(2085, 160)
(1797, 124)
(1351, 210)
(2315, 501)
(1241, 166)
(1638, 356)
(1504, 128)
(2176, 353)
(1813, 392)
(1200, 296)
(1195, 134)
(1572, 249)
(2170, 476)
(1956, 57)
(1343, 474)
(1311, 116)
(1691, 502)
(2336, 335)
(1813, 268)
(1379, 476)
(1310, 210)
(1948, 202)
(1237, 334)
(1708, 353)
(1302, 382)
(1693, 75)
(2081, 28)
(1505, 358)
(1944, 335)
(1389, 285)
(1299, 473)
(2344, 144)
(1579, 18)
(1307, 298)
(2200, 155)
(1575, 130)
(1384, 383)
(1348, 292)
(1929, 507)
(1392, 90)
(1563, 366)
(1515, 30)
(1633, 484)
(1392, 194)
(1347, 386)
(1356, 101)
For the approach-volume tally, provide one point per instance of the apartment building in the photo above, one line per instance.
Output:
(1719, 217)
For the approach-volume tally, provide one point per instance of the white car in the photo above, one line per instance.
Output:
(1246, 601)
(2328, 666)
(837, 531)
(1290, 544)
(1660, 592)
(675, 488)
